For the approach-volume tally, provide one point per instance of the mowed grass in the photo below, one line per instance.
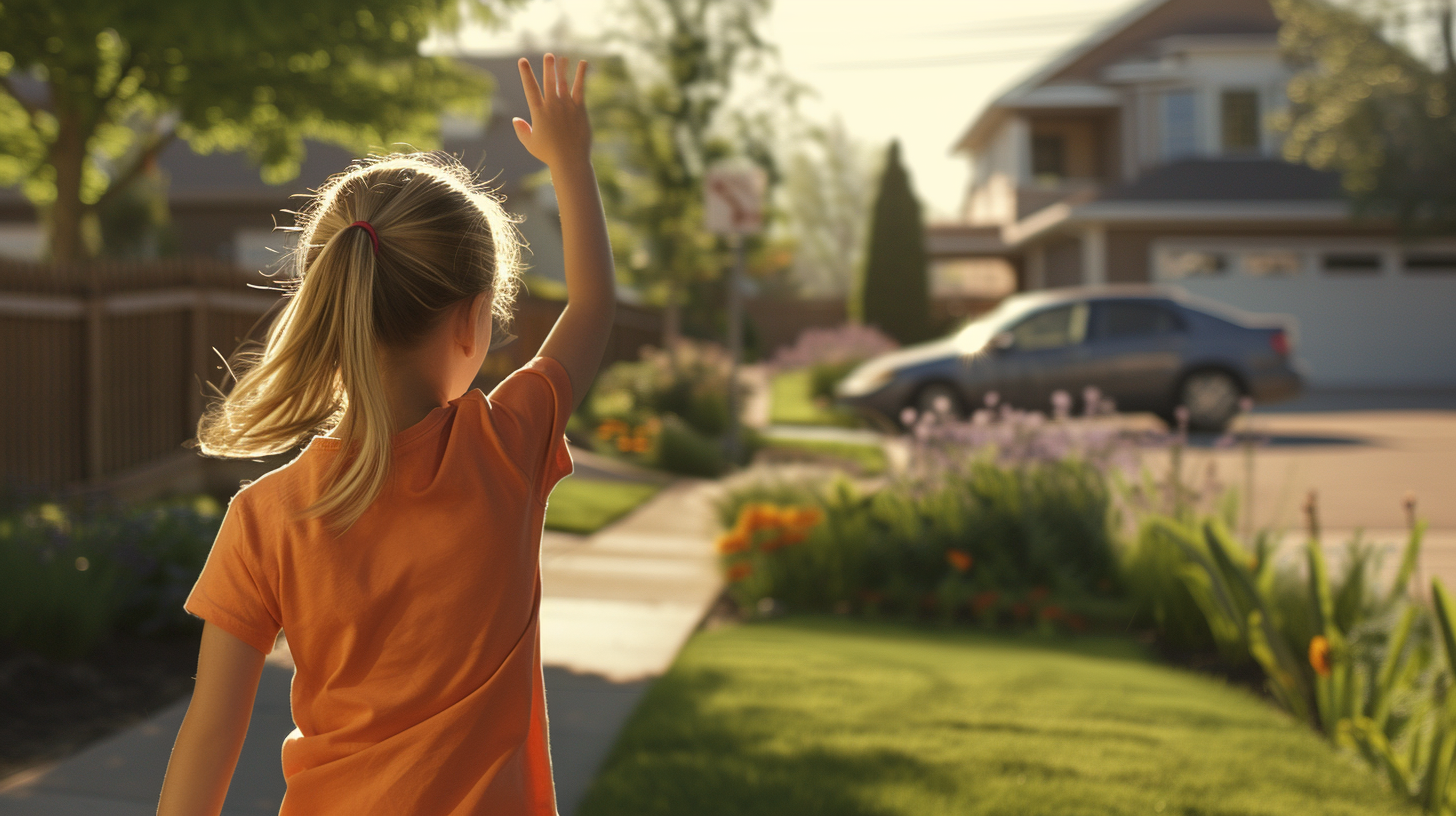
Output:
(587, 505)
(828, 716)
(792, 404)
(869, 459)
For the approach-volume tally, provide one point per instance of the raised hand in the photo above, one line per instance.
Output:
(558, 131)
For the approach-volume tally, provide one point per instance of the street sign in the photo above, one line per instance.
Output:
(734, 198)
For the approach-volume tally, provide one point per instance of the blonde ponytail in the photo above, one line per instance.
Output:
(441, 239)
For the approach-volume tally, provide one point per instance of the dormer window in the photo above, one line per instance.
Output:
(1048, 156)
(1239, 115)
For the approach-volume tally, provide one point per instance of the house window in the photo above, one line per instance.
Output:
(1239, 114)
(1176, 264)
(1430, 263)
(1180, 124)
(1048, 155)
(1280, 263)
(1351, 263)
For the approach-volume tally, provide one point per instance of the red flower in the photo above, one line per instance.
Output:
(1050, 612)
(960, 560)
(1077, 623)
(1020, 609)
(1038, 594)
(739, 571)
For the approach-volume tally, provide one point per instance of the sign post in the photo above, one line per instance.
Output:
(734, 208)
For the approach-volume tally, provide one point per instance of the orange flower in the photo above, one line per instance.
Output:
(1077, 622)
(960, 560)
(755, 517)
(624, 443)
(1020, 610)
(1050, 612)
(733, 541)
(739, 571)
(787, 538)
(1319, 655)
(806, 517)
(641, 444)
(1038, 594)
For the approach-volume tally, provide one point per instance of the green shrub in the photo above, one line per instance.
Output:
(681, 449)
(71, 577)
(992, 543)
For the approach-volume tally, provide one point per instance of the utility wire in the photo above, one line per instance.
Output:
(952, 59)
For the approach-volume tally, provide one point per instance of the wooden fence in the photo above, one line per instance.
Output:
(103, 366)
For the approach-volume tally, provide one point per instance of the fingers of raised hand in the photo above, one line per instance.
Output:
(578, 85)
(529, 84)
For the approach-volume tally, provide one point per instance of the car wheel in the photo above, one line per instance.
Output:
(939, 397)
(1212, 399)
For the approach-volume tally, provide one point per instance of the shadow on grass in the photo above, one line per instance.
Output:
(679, 756)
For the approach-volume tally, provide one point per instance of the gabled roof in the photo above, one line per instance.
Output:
(1076, 72)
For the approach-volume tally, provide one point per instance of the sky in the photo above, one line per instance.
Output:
(916, 70)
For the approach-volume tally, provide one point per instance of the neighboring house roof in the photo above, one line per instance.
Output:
(1223, 179)
(1073, 78)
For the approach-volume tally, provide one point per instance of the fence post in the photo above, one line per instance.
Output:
(198, 357)
(95, 305)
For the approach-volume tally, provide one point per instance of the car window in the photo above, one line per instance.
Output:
(1122, 319)
(1053, 328)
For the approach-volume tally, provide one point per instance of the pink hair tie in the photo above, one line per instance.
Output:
(373, 236)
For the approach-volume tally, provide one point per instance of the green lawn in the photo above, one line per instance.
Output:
(870, 459)
(791, 403)
(827, 716)
(586, 505)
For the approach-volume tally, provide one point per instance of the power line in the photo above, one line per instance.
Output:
(1011, 25)
(952, 59)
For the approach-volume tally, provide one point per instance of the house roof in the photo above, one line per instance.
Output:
(1225, 179)
(1076, 73)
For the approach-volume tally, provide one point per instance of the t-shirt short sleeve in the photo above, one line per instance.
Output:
(529, 410)
(234, 591)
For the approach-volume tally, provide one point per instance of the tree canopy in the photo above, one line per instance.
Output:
(665, 111)
(1376, 106)
(91, 91)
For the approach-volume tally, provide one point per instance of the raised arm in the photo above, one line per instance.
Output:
(560, 135)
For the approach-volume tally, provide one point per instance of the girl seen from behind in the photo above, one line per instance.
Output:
(400, 551)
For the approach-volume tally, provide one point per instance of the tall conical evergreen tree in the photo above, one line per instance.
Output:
(894, 294)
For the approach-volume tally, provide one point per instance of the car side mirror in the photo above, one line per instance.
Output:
(1003, 341)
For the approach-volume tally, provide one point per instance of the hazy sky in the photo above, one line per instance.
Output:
(917, 70)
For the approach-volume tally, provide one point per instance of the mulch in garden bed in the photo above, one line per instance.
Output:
(51, 709)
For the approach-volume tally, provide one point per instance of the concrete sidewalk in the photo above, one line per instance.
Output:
(616, 607)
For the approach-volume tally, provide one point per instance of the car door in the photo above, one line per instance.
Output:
(1046, 354)
(1133, 351)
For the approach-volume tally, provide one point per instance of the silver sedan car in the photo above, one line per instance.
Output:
(1148, 349)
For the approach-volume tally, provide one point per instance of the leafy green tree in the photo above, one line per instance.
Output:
(828, 182)
(1376, 106)
(91, 91)
(665, 111)
(894, 294)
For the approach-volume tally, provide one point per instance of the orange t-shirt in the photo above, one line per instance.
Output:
(417, 687)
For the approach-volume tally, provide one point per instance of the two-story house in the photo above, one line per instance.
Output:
(1145, 154)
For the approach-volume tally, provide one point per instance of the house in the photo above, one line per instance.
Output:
(222, 209)
(1145, 154)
